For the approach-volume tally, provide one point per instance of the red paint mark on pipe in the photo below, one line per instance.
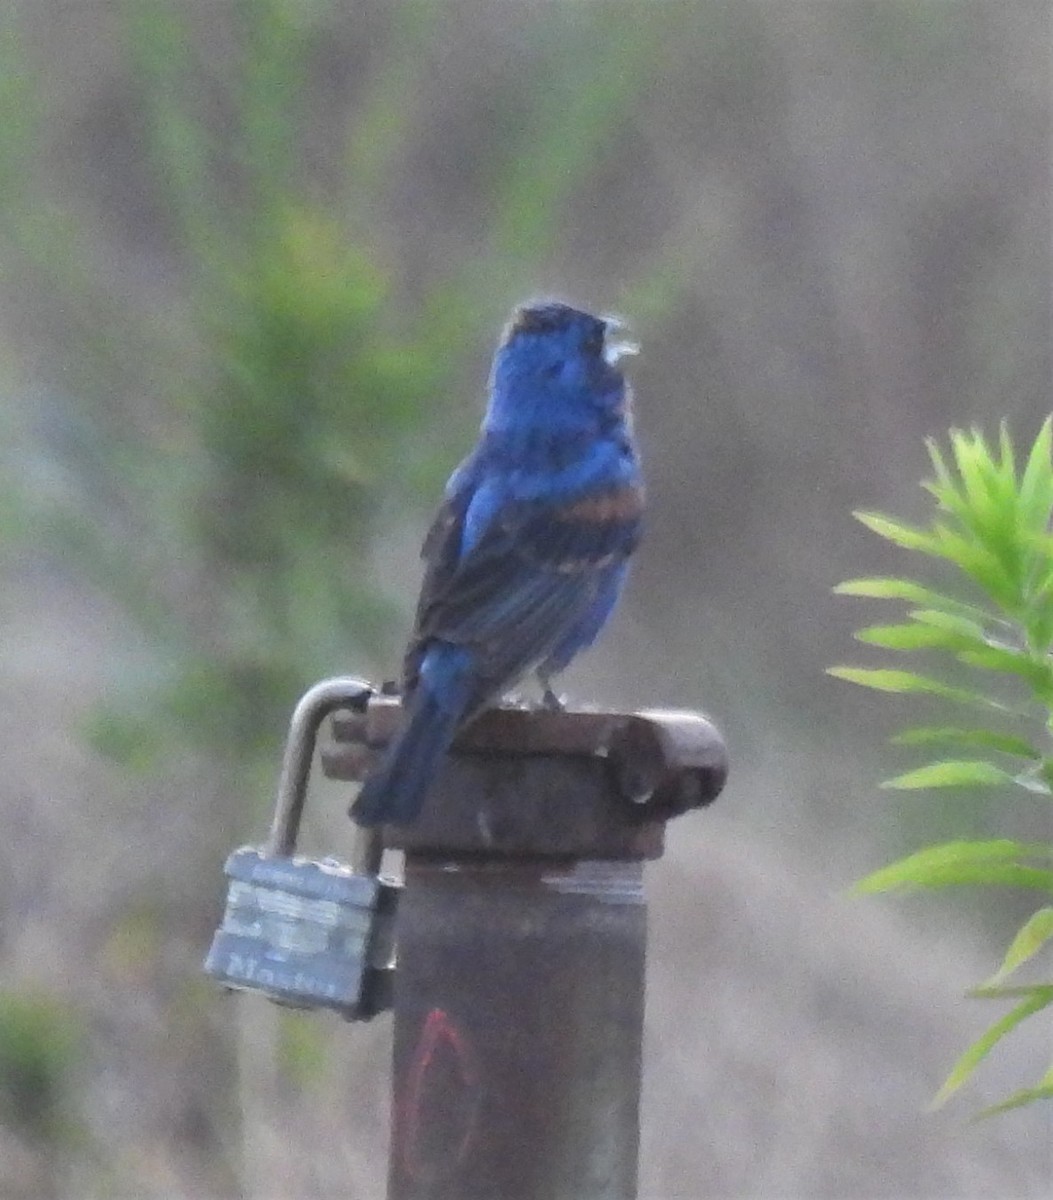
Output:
(440, 1102)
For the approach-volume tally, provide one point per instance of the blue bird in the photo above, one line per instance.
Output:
(529, 551)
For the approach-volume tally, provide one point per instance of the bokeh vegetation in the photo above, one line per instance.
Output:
(252, 259)
(229, 459)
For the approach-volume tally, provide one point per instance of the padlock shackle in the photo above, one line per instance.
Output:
(315, 705)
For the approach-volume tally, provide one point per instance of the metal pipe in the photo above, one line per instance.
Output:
(521, 932)
(519, 1000)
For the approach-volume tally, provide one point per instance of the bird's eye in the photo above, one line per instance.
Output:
(593, 343)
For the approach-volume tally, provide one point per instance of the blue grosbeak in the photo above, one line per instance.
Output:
(528, 554)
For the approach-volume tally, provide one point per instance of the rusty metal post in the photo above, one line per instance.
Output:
(519, 989)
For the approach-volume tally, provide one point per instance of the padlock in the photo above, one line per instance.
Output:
(308, 933)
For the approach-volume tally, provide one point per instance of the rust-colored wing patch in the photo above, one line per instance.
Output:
(619, 504)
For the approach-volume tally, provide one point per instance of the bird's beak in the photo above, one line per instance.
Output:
(616, 347)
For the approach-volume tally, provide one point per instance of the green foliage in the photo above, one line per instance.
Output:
(1000, 861)
(40, 1044)
(238, 407)
(1032, 936)
(302, 1049)
(992, 632)
(1035, 999)
(231, 460)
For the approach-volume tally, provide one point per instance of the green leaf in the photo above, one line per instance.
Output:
(909, 637)
(1038, 672)
(977, 561)
(1042, 1091)
(1010, 875)
(1038, 615)
(983, 495)
(945, 486)
(931, 630)
(966, 627)
(979, 1050)
(1014, 991)
(990, 739)
(962, 772)
(907, 536)
(951, 863)
(1036, 484)
(988, 505)
(908, 682)
(1030, 938)
(882, 588)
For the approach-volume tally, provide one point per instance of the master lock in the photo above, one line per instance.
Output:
(308, 933)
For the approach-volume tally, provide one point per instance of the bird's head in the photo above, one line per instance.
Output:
(558, 365)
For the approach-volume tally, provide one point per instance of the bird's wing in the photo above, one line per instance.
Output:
(440, 552)
(532, 573)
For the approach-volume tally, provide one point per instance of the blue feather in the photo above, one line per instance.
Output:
(395, 791)
(527, 556)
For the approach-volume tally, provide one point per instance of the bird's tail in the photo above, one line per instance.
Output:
(395, 792)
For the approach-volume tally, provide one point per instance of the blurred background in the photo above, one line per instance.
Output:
(254, 255)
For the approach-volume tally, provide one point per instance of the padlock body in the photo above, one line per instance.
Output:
(305, 933)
